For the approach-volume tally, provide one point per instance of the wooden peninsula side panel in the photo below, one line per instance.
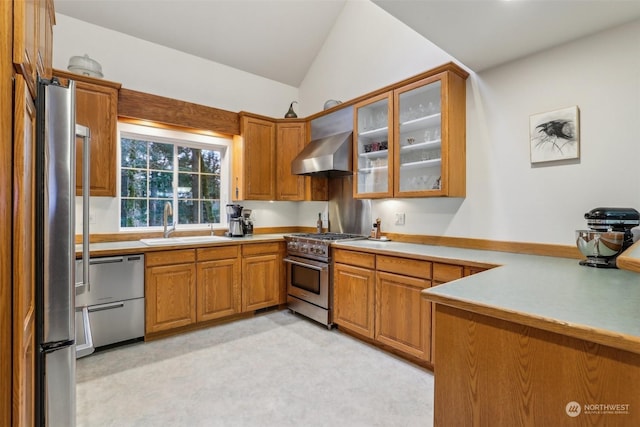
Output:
(500, 373)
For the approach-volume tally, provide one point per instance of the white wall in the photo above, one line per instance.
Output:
(507, 198)
(367, 49)
(148, 67)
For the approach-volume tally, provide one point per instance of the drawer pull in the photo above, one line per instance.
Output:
(109, 306)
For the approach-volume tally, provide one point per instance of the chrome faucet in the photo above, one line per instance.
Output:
(168, 210)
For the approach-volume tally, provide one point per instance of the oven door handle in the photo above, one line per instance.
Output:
(303, 264)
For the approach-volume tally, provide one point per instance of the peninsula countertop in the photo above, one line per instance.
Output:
(554, 294)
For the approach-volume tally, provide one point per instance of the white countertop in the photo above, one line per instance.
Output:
(557, 294)
(133, 246)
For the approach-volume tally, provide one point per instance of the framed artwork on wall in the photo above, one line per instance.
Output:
(555, 135)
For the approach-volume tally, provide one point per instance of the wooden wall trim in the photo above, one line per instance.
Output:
(144, 106)
(137, 235)
(626, 261)
(544, 249)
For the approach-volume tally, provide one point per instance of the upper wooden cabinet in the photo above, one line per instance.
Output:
(254, 159)
(33, 39)
(291, 137)
(97, 108)
(410, 140)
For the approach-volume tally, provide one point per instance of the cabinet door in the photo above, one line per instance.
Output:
(353, 298)
(290, 141)
(23, 254)
(25, 39)
(403, 317)
(170, 297)
(97, 108)
(45, 37)
(418, 166)
(260, 281)
(255, 169)
(218, 285)
(373, 159)
(429, 141)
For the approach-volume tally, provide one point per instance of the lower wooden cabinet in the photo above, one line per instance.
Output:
(170, 290)
(403, 317)
(380, 297)
(262, 277)
(218, 283)
(183, 287)
(354, 298)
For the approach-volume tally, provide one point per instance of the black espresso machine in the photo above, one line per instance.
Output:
(609, 235)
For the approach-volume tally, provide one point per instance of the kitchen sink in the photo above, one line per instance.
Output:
(183, 240)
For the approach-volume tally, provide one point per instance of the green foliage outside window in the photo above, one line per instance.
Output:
(148, 171)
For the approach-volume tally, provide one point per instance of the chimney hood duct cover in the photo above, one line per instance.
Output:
(330, 155)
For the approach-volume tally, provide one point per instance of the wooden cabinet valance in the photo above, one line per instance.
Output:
(145, 106)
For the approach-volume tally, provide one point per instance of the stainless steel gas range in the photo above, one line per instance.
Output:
(309, 274)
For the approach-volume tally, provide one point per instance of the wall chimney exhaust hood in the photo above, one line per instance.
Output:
(328, 156)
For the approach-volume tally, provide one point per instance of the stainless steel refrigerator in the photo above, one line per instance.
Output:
(55, 252)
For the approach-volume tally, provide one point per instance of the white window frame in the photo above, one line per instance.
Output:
(188, 139)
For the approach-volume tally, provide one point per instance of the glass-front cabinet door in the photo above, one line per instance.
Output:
(419, 159)
(410, 140)
(373, 151)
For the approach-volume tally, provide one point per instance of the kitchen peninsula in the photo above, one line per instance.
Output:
(538, 343)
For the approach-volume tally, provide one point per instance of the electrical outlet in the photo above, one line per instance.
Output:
(400, 218)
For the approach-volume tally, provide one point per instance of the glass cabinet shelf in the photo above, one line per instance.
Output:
(372, 169)
(375, 132)
(422, 164)
(374, 154)
(421, 123)
(425, 145)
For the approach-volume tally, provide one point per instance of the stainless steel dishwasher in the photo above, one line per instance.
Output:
(111, 308)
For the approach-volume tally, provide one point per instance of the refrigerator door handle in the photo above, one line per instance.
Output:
(85, 134)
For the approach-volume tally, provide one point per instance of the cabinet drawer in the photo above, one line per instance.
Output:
(360, 259)
(170, 257)
(262, 248)
(447, 272)
(224, 252)
(404, 266)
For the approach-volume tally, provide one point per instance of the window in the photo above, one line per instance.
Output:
(158, 166)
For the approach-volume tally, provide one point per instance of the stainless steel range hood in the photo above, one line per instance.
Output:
(330, 156)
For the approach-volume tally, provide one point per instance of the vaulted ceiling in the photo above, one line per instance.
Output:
(279, 39)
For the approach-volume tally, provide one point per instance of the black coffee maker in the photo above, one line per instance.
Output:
(234, 219)
(247, 222)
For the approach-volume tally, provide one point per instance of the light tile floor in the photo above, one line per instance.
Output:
(275, 369)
